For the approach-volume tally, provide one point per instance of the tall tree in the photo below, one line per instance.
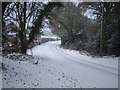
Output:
(107, 13)
(22, 15)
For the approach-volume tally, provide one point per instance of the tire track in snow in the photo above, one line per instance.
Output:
(83, 62)
(81, 71)
(58, 48)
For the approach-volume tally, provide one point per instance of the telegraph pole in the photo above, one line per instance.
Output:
(101, 33)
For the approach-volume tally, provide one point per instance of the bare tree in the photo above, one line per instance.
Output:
(28, 17)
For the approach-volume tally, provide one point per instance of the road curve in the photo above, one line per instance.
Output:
(88, 73)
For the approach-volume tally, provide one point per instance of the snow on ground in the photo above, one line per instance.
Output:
(23, 74)
(54, 37)
(55, 67)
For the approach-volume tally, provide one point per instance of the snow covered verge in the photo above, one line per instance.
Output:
(54, 67)
(28, 72)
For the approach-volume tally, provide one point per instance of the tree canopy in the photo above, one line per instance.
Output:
(87, 26)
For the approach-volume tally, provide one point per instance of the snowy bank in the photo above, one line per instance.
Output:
(54, 67)
(26, 74)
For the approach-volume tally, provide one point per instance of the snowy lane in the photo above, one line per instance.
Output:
(103, 67)
(86, 70)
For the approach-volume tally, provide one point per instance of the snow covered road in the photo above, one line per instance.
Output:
(90, 72)
(60, 68)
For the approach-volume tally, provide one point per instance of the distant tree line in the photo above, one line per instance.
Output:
(90, 26)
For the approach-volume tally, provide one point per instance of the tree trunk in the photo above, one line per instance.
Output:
(101, 33)
(23, 32)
